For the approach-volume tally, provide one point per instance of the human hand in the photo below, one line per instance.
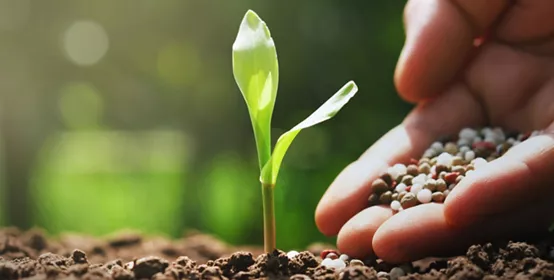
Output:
(507, 81)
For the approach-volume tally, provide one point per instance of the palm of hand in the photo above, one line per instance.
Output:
(514, 87)
(506, 85)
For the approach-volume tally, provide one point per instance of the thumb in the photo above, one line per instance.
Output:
(520, 178)
(439, 40)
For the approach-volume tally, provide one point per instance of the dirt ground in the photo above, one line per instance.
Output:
(125, 256)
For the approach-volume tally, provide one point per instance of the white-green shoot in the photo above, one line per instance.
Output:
(256, 71)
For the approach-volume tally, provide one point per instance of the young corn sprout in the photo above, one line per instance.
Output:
(256, 72)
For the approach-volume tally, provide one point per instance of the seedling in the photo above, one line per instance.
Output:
(256, 72)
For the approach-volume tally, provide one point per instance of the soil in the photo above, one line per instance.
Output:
(126, 256)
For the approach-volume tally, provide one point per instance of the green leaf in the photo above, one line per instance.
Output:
(328, 110)
(256, 72)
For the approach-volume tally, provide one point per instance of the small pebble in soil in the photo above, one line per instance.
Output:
(148, 266)
(356, 262)
(326, 252)
(337, 264)
(332, 256)
(396, 272)
(292, 254)
(382, 274)
(79, 256)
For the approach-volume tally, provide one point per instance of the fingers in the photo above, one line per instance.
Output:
(439, 41)
(349, 192)
(423, 231)
(520, 177)
(356, 236)
(514, 205)
(527, 22)
(416, 233)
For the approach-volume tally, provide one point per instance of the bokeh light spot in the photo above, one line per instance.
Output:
(85, 42)
(80, 105)
(178, 64)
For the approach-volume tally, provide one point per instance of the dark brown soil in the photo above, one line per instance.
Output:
(32, 255)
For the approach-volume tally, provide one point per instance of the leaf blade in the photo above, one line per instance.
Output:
(256, 72)
(325, 112)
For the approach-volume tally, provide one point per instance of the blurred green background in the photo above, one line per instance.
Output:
(125, 114)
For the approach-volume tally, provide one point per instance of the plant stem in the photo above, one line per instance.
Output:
(269, 217)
